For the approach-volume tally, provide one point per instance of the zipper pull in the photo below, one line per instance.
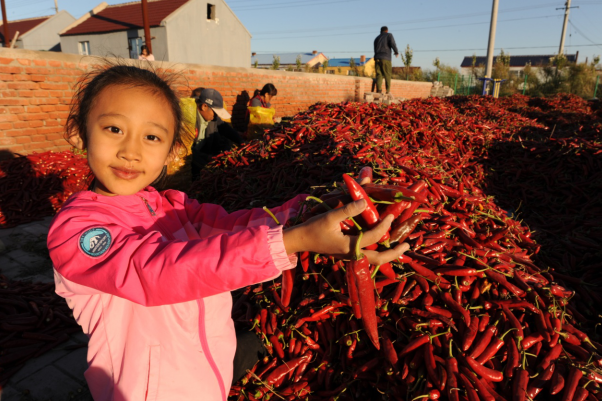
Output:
(150, 209)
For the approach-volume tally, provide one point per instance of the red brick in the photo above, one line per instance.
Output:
(54, 137)
(4, 60)
(24, 61)
(20, 124)
(53, 123)
(23, 85)
(37, 78)
(7, 141)
(33, 116)
(47, 108)
(26, 93)
(5, 126)
(48, 85)
(7, 77)
(49, 130)
(35, 123)
(34, 109)
(23, 139)
(38, 138)
(16, 109)
(40, 63)
(55, 63)
(41, 71)
(8, 117)
(11, 70)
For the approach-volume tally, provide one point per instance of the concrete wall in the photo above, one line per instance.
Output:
(46, 35)
(36, 90)
(116, 43)
(192, 38)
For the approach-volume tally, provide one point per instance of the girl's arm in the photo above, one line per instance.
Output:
(151, 271)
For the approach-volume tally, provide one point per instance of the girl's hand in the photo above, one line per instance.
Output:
(322, 234)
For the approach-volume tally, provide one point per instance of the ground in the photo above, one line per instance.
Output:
(59, 374)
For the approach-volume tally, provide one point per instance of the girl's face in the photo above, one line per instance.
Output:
(130, 131)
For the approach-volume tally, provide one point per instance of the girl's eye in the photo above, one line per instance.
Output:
(114, 130)
(153, 138)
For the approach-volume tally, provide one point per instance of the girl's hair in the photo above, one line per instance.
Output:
(90, 85)
(143, 47)
(118, 73)
(270, 89)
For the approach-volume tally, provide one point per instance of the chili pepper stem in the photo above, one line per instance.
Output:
(268, 211)
(329, 208)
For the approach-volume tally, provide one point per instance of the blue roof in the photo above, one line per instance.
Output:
(285, 58)
(344, 62)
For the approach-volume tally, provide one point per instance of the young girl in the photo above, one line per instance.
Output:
(148, 274)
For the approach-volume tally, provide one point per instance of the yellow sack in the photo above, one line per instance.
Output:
(260, 118)
(179, 170)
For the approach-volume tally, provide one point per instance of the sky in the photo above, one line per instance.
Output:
(449, 30)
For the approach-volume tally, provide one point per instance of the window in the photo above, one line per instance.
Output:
(84, 48)
(210, 11)
(330, 71)
(134, 45)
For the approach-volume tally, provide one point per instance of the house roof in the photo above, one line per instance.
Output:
(518, 61)
(285, 58)
(120, 17)
(23, 26)
(344, 62)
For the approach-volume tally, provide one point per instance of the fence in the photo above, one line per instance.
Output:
(461, 84)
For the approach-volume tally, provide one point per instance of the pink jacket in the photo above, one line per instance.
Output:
(148, 278)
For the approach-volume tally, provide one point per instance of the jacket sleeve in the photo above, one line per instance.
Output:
(392, 44)
(150, 270)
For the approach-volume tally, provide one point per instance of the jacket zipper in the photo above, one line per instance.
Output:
(201, 304)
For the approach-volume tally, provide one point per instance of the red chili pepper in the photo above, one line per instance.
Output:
(493, 347)
(277, 376)
(575, 374)
(369, 214)
(360, 268)
(557, 382)
(287, 286)
(470, 333)
(535, 386)
(519, 384)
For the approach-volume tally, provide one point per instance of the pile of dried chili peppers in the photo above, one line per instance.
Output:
(474, 310)
(37, 185)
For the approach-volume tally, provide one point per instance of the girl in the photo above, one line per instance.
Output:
(264, 97)
(148, 274)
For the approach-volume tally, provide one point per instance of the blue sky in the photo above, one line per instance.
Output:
(446, 29)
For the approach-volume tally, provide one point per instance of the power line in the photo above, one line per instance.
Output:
(408, 29)
(304, 4)
(433, 50)
(580, 33)
(413, 21)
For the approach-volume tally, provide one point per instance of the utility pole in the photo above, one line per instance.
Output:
(491, 44)
(56, 6)
(566, 8)
(147, 36)
(5, 24)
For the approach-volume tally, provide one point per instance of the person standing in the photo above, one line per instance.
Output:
(383, 44)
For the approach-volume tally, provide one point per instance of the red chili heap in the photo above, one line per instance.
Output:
(473, 311)
(35, 186)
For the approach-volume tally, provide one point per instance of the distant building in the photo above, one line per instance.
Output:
(289, 60)
(40, 33)
(183, 31)
(517, 63)
(343, 66)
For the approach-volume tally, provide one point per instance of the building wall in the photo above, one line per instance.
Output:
(46, 35)
(116, 43)
(192, 38)
(36, 90)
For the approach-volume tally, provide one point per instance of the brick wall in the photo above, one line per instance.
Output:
(36, 90)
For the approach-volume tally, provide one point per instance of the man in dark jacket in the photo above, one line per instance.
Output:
(382, 58)
(213, 134)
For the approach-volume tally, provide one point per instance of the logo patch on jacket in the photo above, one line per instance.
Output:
(95, 242)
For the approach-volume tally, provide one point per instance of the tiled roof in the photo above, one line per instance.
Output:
(518, 61)
(22, 26)
(344, 62)
(121, 17)
(285, 58)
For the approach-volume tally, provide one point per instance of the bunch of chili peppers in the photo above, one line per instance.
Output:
(37, 185)
(466, 314)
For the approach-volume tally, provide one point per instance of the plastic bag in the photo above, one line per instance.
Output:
(260, 118)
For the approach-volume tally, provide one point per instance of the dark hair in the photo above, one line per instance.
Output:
(196, 92)
(110, 74)
(270, 89)
(143, 47)
(383, 29)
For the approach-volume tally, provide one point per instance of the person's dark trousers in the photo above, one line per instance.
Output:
(383, 69)
(249, 350)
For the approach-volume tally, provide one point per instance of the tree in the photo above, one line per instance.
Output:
(437, 63)
(298, 62)
(324, 66)
(276, 63)
(256, 63)
(406, 57)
